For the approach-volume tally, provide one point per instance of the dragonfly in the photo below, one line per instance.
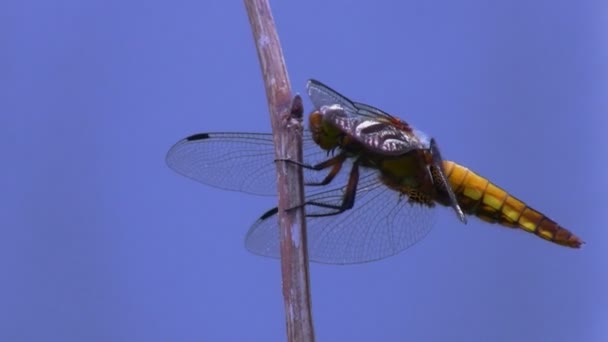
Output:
(373, 183)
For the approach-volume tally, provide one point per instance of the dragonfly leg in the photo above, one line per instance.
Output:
(335, 163)
(440, 176)
(348, 199)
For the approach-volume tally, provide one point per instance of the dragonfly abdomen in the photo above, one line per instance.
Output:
(479, 197)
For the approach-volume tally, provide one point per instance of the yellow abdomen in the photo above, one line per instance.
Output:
(478, 196)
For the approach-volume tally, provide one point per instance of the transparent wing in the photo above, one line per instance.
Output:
(371, 111)
(322, 95)
(381, 223)
(236, 161)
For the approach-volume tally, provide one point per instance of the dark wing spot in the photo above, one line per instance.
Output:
(269, 213)
(199, 136)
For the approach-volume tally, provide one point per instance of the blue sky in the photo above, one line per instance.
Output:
(102, 242)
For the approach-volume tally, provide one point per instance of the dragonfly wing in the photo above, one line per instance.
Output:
(381, 223)
(231, 161)
(371, 111)
(236, 161)
(322, 95)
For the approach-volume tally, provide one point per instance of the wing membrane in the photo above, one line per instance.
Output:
(236, 161)
(322, 95)
(381, 223)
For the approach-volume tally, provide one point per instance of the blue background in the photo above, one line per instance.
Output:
(101, 241)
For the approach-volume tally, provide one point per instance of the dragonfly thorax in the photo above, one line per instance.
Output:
(333, 126)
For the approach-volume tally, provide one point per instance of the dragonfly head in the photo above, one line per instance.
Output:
(324, 134)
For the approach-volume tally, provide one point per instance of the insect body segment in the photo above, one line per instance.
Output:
(479, 197)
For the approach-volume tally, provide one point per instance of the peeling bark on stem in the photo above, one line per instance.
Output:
(287, 132)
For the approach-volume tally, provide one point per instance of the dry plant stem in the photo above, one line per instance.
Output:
(287, 133)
